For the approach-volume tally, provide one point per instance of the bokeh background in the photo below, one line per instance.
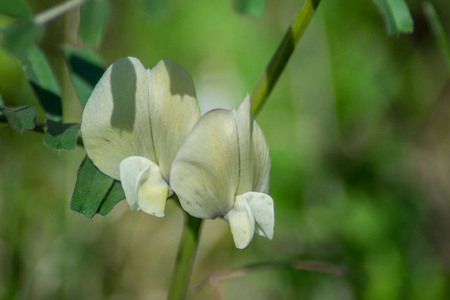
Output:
(358, 129)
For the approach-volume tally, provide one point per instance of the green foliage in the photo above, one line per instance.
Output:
(396, 15)
(114, 196)
(20, 118)
(253, 8)
(19, 38)
(86, 68)
(151, 8)
(353, 163)
(94, 191)
(93, 18)
(15, 9)
(61, 136)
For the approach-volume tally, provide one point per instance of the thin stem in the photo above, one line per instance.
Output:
(41, 128)
(181, 275)
(281, 57)
(437, 29)
(294, 265)
(57, 11)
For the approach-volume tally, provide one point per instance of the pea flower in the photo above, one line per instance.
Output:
(222, 169)
(133, 125)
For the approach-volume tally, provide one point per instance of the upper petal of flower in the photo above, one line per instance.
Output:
(134, 111)
(174, 110)
(205, 171)
(254, 158)
(116, 118)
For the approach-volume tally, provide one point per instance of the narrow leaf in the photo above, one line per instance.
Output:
(93, 18)
(254, 8)
(19, 38)
(15, 9)
(86, 68)
(61, 136)
(94, 191)
(20, 118)
(396, 15)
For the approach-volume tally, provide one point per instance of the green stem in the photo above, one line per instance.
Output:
(437, 29)
(57, 11)
(281, 57)
(181, 275)
(41, 128)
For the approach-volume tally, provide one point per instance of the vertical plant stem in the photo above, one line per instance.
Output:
(437, 29)
(181, 275)
(281, 57)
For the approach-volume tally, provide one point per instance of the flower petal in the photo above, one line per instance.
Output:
(254, 157)
(205, 171)
(174, 110)
(116, 119)
(242, 223)
(261, 206)
(144, 187)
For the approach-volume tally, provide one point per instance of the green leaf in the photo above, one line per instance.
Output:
(21, 35)
(94, 191)
(61, 136)
(86, 69)
(20, 118)
(396, 15)
(43, 82)
(114, 196)
(93, 18)
(19, 38)
(253, 8)
(15, 9)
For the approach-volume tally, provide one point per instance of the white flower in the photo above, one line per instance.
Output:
(133, 125)
(222, 169)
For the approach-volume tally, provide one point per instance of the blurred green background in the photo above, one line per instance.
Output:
(358, 129)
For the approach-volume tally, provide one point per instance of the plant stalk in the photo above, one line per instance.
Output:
(57, 11)
(437, 29)
(184, 264)
(281, 57)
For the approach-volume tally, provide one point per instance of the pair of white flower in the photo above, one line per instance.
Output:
(144, 128)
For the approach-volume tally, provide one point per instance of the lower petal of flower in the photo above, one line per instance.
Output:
(242, 223)
(143, 185)
(261, 206)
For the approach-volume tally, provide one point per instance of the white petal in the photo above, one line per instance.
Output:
(261, 206)
(242, 223)
(144, 186)
(254, 158)
(116, 119)
(174, 110)
(205, 171)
